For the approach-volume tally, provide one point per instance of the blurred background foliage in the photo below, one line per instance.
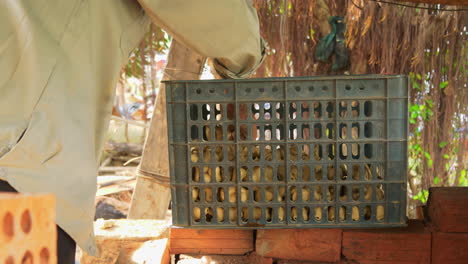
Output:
(426, 43)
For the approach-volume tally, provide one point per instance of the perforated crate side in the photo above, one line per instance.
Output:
(289, 152)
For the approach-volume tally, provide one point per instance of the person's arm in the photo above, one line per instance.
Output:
(226, 30)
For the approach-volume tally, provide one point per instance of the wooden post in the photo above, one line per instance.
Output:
(152, 191)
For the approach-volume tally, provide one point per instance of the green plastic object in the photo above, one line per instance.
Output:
(305, 152)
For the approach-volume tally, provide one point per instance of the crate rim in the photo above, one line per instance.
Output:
(301, 78)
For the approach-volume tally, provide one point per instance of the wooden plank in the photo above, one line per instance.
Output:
(151, 198)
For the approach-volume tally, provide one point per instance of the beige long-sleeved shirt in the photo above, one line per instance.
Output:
(59, 62)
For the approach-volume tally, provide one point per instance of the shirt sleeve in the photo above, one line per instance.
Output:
(227, 31)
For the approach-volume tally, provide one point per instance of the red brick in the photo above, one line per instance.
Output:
(27, 228)
(410, 244)
(447, 209)
(300, 244)
(216, 242)
(449, 248)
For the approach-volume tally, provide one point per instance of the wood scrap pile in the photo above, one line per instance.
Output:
(116, 179)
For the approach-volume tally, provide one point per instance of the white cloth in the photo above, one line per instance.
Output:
(59, 63)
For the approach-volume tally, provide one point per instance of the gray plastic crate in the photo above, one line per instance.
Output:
(289, 152)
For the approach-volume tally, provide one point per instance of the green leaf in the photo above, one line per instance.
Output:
(414, 107)
(436, 180)
(421, 196)
(417, 196)
(443, 144)
(426, 193)
(429, 159)
(463, 183)
(462, 180)
(444, 70)
(429, 102)
(418, 76)
(429, 163)
(443, 84)
(446, 156)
